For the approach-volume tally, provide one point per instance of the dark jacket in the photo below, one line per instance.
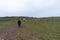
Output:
(19, 23)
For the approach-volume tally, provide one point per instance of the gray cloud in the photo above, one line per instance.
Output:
(36, 8)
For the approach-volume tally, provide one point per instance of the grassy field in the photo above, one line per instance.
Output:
(41, 28)
(6, 22)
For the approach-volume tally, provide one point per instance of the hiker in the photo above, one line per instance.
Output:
(19, 23)
(24, 20)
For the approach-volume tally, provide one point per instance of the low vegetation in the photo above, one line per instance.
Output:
(41, 28)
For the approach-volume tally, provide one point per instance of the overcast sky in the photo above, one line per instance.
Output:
(33, 8)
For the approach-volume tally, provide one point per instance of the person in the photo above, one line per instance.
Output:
(19, 23)
(24, 20)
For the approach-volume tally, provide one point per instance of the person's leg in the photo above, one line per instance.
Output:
(19, 25)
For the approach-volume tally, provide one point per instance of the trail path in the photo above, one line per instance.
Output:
(14, 33)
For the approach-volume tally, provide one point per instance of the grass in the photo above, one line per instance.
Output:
(4, 23)
(42, 28)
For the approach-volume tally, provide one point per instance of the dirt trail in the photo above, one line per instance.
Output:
(8, 33)
(11, 34)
